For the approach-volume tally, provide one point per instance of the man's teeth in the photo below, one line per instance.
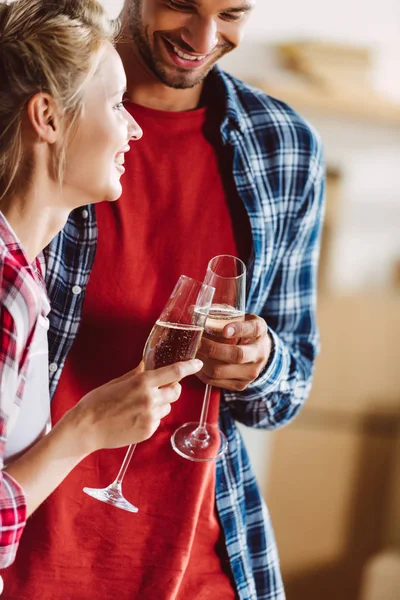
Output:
(187, 56)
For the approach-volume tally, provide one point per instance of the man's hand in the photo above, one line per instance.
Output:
(234, 367)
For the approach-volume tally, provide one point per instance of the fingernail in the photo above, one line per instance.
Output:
(230, 332)
(198, 363)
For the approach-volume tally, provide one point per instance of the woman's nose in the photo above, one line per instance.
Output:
(134, 131)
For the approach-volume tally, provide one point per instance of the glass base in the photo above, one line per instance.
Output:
(111, 495)
(199, 448)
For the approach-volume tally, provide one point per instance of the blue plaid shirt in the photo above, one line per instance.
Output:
(279, 175)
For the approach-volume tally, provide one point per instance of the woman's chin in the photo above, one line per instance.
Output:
(112, 195)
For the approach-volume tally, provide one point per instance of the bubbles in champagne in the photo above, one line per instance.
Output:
(219, 316)
(169, 343)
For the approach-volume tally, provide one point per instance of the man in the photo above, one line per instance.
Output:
(221, 169)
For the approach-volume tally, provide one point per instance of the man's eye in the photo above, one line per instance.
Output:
(178, 5)
(232, 16)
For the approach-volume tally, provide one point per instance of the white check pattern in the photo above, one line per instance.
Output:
(21, 292)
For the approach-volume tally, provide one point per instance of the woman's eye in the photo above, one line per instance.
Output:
(121, 105)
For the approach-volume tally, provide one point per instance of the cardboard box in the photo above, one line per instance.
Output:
(381, 579)
(334, 472)
(328, 491)
(358, 370)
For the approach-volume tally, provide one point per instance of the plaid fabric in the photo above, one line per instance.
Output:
(20, 306)
(278, 170)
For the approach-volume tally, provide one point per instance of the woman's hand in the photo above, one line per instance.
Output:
(124, 411)
(128, 410)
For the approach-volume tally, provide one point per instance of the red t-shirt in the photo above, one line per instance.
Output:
(175, 214)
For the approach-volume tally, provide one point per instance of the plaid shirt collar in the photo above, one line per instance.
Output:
(9, 239)
(233, 116)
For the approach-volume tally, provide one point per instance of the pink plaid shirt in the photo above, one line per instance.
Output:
(21, 289)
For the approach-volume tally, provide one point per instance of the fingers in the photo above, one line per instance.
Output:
(226, 353)
(234, 385)
(129, 410)
(158, 414)
(173, 373)
(216, 371)
(234, 367)
(168, 395)
(139, 369)
(251, 328)
(157, 405)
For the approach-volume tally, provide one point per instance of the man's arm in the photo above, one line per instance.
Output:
(267, 377)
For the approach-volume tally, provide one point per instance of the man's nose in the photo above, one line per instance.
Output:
(201, 34)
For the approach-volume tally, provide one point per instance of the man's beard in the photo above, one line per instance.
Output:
(177, 78)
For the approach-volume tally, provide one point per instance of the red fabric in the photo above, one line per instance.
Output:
(171, 549)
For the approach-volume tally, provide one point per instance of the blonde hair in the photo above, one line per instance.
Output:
(50, 46)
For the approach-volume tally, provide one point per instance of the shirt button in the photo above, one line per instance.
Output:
(85, 214)
(77, 290)
(53, 368)
(284, 387)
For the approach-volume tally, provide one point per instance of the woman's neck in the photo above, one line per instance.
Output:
(34, 220)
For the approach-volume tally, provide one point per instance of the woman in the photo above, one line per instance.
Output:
(63, 135)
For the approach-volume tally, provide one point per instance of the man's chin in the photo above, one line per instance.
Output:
(183, 84)
(182, 80)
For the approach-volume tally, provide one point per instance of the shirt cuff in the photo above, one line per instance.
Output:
(13, 514)
(272, 378)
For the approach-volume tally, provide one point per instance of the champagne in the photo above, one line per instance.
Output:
(169, 343)
(219, 316)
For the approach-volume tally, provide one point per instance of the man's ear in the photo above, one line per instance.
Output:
(44, 117)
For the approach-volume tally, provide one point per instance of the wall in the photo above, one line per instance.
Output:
(113, 6)
(353, 21)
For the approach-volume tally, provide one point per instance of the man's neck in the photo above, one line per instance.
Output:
(145, 89)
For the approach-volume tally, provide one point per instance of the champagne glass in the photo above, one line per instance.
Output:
(202, 442)
(175, 337)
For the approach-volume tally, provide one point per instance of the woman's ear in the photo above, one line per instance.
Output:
(44, 117)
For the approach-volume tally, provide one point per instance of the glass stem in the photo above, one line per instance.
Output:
(118, 481)
(201, 430)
